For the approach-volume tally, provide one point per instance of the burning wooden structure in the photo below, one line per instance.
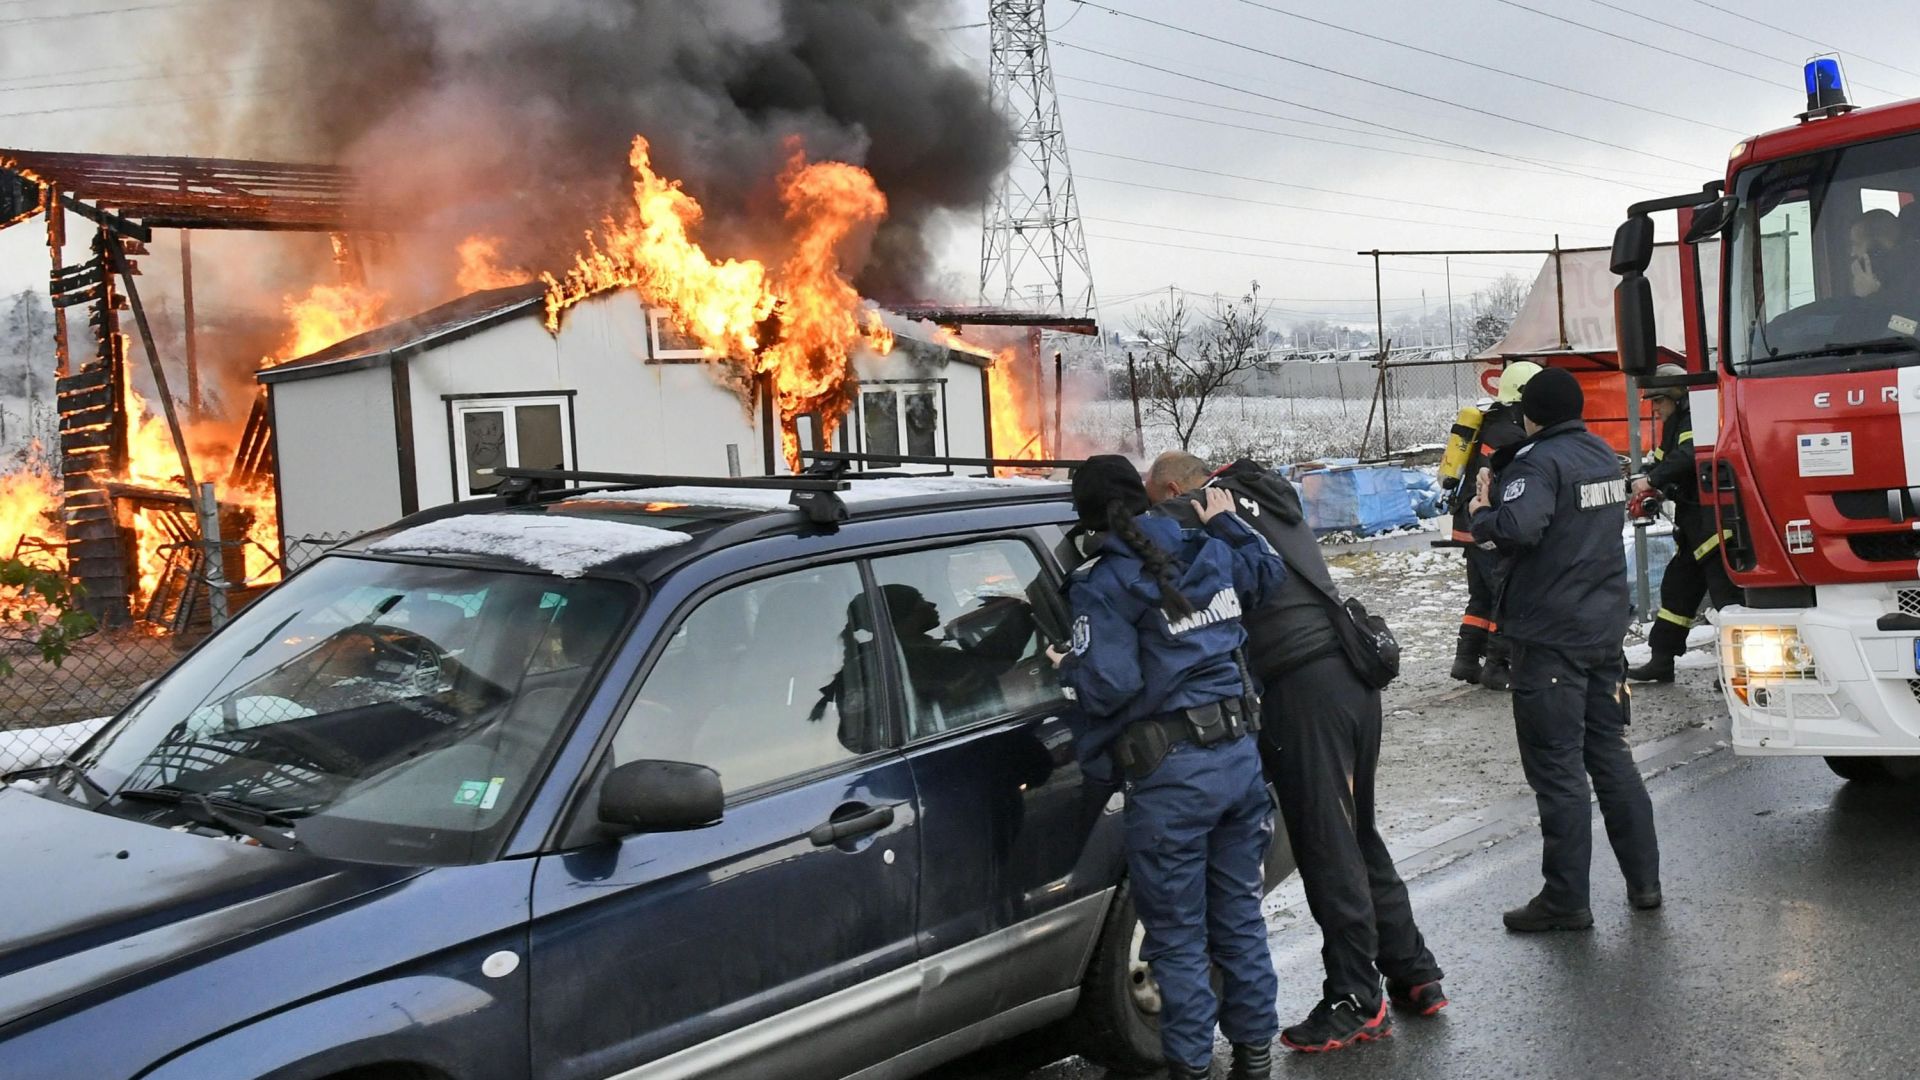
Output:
(126, 198)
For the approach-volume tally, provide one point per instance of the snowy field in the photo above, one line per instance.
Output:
(1271, 430)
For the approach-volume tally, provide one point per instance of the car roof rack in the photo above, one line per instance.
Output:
(812, 494)
(821, 457)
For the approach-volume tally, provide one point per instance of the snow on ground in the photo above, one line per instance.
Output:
(1448, 747)
(1269, 429)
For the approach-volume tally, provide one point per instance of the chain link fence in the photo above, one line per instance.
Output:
(47, 709)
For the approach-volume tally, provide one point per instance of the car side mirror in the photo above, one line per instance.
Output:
(1712, 219)
(1635, 336)
(661, 796)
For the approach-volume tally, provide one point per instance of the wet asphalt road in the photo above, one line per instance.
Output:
(1787, 947)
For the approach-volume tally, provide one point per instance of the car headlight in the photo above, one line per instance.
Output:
(1772, 652)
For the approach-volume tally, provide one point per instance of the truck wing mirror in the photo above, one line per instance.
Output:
(661, 796)
(1634, 334)
(1712, 219)
(1632, 246)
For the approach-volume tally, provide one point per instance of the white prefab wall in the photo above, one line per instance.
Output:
(628, 415)
(339, 465)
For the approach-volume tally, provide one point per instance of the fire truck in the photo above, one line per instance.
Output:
(1805, 394)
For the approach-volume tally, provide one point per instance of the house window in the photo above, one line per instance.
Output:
(517, 432)
(902, 418)
(669, 342)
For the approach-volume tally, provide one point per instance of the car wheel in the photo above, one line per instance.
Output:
(1862, 770)
(1117, 1023)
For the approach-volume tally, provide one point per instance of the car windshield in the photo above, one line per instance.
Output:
(1825, 262)
(366, 710)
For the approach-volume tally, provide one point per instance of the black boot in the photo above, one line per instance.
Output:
(1177, 1071)
(1657, 669)
(1498, 674)
(1535, 916)
(1251, 1062)
(1466, 661)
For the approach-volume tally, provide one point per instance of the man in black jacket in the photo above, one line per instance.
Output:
(1561, 511)
(1697, 570)
(1320, 743)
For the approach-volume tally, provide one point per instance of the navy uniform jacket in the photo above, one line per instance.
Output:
(1561, 511)
(1129, 661)
(1500, 429)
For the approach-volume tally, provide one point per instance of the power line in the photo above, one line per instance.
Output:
(1346, 249)
(1748, 18)
(1417, 140)
(1389, 86)
(148, 102)
(1715, 40)
(1313, 209)
(1487, 67)
(134, 79)
(1636, 41)
(1343, 116)
(102, 11)
(1264, 257)
(1344, 194)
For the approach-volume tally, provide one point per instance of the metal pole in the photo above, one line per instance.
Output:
(1453, 342)
(208, 505)
(1059, 431)
(1133, 391)
(1642, 600)
(119, 259)
(1380, 336)
(1559, 291)
(186, 314)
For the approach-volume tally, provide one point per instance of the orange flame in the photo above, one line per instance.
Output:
(29, 501)
(328, 314)
(1010, 399)
(480, 267)
(725, 304)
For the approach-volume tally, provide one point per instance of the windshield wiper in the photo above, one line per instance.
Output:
(224, 814)
(1851, 348)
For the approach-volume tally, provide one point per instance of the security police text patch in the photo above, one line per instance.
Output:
(1602, 493)
(1224, 605)
(1514, 490)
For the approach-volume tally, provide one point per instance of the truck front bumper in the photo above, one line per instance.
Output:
(1824, 680)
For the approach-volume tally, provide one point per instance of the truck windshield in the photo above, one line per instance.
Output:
(1825, 262)
(366, 710)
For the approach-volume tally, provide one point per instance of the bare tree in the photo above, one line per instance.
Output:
(1191, 358)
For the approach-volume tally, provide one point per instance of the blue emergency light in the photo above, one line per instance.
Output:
(1826, 87)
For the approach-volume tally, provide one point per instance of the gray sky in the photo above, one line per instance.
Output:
(1192, 169)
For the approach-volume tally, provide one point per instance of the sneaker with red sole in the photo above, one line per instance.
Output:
(1337, 1023)
(1420, 999)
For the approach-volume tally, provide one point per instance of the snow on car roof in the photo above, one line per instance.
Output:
(568, 546)
(862, 491)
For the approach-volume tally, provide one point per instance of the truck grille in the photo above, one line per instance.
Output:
(1886, 546)
(1913, 687)
(1909, 601)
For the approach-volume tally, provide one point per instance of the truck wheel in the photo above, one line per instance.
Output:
(1860, 770)
(1117, 1023)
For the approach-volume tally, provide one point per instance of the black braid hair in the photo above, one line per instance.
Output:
(1158, 563)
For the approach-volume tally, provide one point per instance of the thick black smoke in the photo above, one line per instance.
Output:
(514, 116)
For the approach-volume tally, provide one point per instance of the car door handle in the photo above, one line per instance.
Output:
(851, 826)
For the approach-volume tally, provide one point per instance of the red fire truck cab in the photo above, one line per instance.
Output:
(1807, 423)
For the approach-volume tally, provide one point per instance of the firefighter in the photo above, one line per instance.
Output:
(1697, 570)
(1561, 509)
(1320, 736)
(1480, 638)
(1156, 633)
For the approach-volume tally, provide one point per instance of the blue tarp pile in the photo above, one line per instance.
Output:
(1343, 496)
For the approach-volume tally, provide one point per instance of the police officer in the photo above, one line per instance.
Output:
(1480, 639)
(1564, 606)
(1697, 570)
(1156, 628)
(1320, 737)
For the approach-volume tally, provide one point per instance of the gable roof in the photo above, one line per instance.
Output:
(450, 321)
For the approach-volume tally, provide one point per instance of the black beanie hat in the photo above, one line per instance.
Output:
(1107, 478)
(1552, 397)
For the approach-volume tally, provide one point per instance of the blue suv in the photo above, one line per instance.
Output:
(740, 780)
